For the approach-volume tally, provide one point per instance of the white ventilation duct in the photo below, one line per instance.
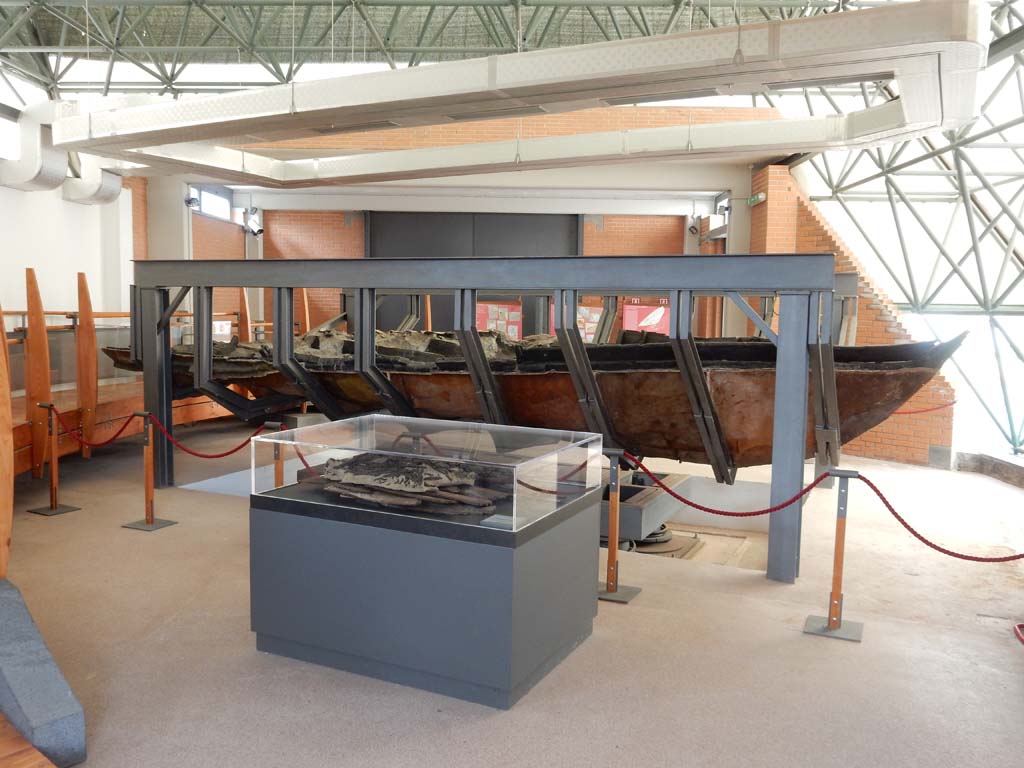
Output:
(39, 166)
(934, 50)
(94, 186)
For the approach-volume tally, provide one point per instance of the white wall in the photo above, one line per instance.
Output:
(170, 234)
(60, 239)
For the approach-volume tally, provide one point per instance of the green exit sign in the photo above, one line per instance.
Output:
(757, 199)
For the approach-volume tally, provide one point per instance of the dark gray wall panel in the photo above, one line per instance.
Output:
(446, 235)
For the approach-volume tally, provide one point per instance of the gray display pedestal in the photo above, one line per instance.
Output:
(464, 610)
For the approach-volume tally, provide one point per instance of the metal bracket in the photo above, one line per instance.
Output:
(491, 406)
(684, 348)
(755, 317)
(364, 310)
(165, 318)
(202, 362)
(578, 363)
(284, 355)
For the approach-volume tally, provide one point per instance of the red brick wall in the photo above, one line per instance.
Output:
(313, 235)
(564, 124)
(633, 235)
(789, 222)
(139, 185)
(217, 239)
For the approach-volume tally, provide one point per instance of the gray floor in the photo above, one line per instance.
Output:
(706, 667)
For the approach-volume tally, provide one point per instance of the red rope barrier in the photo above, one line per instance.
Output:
(711, 510)
(190, 452)
(932, 544)
(892, 510)
(950, 404)
(1019, 632)
(68, 429)
(303, 459)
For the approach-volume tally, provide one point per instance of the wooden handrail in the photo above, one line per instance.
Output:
(25, 312)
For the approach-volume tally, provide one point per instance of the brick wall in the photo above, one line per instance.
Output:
(139, 185)
(789, 222)
(313, 235)
(564, 124)
(217, 239)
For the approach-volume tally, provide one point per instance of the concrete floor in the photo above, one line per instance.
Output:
(707, 666)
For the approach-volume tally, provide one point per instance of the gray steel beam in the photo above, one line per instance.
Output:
(755, 273)
(364, 312)
(705, 415)
(789, 436)
(1006, 46)
(284, 355)
(157, 387)
(487, 393)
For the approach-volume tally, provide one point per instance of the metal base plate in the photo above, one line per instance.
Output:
(142, 525)
(60, 510)
(847, 630)
(621, 595)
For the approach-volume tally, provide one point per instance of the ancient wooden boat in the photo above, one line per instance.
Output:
(644, 394)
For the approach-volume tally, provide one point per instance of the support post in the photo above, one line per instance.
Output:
(278, 454)
(789, 435)
(37, 370)
(157, 383)
(611, 590)
(53, 454)
(150, 522)
(86, 365)
(833, 624)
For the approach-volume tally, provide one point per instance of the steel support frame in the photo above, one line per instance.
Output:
(284, 354)
(364, 311)
(466, 331)
(795, 278)
(202, 361)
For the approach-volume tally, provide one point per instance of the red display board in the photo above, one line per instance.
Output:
(506, 317)
(637, 316)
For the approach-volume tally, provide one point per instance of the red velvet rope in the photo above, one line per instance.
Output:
(892, 510)
(68, 429)
(190, 452)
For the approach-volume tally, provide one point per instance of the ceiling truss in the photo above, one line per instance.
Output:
(150, 45)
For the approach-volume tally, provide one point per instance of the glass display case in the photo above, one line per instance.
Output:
(440, 472)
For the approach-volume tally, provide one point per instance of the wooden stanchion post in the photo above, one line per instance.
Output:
(52, 455)
(150, 522)
(278, 454)
(612, 590)
(833, 624)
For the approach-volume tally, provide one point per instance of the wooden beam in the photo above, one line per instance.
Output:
(6, 352)
(244, 324)
(37, 371)
(86, 364)
(6, 460)
(16, 751)
(303, 318)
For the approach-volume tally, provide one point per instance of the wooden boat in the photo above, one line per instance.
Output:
(643, 391)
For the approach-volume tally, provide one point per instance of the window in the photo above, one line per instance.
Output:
(214, 205)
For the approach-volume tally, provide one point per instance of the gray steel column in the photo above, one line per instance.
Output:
(157, 384)
(789, 435)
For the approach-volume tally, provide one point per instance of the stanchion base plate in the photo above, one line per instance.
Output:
(621, 595)
(847, 630)
(60, 510)
(142, 525)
